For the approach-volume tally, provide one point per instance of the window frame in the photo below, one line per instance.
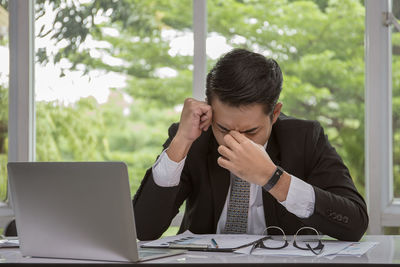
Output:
(199, 48)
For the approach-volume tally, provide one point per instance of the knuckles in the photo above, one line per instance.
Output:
(188, 101)
(195, 107)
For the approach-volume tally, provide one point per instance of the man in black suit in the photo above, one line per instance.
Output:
(292, 177)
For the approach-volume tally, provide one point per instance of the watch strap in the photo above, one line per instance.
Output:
(274, 179)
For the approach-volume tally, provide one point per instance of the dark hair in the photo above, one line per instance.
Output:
(241, 78)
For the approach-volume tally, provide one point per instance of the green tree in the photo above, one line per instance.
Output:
(139, 44)
(135, 138)
(70, 132)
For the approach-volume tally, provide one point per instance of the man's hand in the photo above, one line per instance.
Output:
(196, 117)
(245, 159)
(252, 163)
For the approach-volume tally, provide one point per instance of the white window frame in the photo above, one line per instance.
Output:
(21, 118)
(199, 48)
(384, 209)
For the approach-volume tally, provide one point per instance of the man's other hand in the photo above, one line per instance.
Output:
(196, 117)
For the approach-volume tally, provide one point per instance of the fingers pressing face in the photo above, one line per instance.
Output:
(232, 143)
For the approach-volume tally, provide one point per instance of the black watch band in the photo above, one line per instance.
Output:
(274, 179)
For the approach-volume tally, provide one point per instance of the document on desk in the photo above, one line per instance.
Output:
(188, 240)
(9, 243)
(357, 248)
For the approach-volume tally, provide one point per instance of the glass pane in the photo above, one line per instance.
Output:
(396, 101)
(4, 72)
(320, 48)
(110, 78)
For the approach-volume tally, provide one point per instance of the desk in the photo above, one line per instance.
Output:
(386, 252)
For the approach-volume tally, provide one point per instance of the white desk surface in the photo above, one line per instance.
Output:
(386, 252)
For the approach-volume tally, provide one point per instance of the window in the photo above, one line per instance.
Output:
(110, 79)
(4, 73)
(140, 47)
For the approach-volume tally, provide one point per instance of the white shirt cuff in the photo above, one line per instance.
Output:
(300, 199)
(166, 172)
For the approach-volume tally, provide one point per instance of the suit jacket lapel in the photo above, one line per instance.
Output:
(219, 180)
(273, 149)
(269, 202)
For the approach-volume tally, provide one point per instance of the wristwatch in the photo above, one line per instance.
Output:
(274, 179)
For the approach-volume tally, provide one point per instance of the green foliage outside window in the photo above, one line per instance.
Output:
(88, 131)
(319, 45)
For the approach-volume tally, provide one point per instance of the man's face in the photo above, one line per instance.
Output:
(249, 120)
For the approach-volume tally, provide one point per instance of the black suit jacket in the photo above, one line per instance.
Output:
(300, 147)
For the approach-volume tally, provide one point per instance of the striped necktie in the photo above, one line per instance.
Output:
(238, 207)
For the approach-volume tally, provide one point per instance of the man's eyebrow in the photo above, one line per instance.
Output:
(222, 127)
(249, 130)
(246, 131)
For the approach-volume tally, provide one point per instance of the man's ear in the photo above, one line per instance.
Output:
(277, 112)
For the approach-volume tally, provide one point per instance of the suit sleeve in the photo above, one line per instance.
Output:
(340, 211)
(155, 206)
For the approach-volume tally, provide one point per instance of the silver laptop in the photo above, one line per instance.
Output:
(76, 210)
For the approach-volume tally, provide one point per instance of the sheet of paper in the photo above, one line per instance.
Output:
(188, 238)
(7, 243)
(357, 248)
(332, 248)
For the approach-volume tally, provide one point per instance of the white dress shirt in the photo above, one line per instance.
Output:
(300, 199)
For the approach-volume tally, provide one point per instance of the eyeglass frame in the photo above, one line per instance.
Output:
(260, 243)
(319, 247)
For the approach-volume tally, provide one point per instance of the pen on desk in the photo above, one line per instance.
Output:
(214, 242)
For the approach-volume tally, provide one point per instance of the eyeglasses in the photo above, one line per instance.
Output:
(312, 244)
